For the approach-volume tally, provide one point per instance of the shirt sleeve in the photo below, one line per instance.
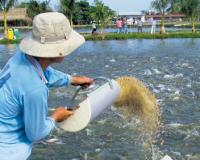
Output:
(56, 78)
(37, 124)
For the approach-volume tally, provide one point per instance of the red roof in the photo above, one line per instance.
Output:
(167, 16)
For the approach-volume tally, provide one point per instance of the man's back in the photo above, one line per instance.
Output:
(14, 84)
(119, 23)
(140, 23)
(94, 26)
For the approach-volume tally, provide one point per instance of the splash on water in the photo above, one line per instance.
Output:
(112, 60)
(156, 71)
(147, 72)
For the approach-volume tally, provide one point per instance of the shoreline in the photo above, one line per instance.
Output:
(123, 36)
(146, 24)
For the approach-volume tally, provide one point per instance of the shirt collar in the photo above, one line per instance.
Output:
(37, 67)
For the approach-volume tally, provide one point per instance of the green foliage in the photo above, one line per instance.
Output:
(191, 8)
(102, 14)
(77, 11)
(5, 5)
(121, 36)
(22, 5)
(6, 41)
(34, 7)
(80, 12)
(161, 6)
(175, 6)
(83, 15)
(68, 7)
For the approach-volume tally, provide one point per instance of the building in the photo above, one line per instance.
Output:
(129, 15)
(132, 17)
(168, 17)
(145, 17)
(16, 14)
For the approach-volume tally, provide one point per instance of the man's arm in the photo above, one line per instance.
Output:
(56, 78)
(82, 81)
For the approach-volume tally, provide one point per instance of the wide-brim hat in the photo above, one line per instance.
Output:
(52, 36)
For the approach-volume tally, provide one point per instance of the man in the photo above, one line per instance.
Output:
(153, 27)
(140, 24)
(24, 83)
(119, 25)
(125, 25)
(94, 27)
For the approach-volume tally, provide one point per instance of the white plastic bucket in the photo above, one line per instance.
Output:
(95, 103)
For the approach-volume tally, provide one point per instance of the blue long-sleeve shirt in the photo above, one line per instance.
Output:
(23, 105)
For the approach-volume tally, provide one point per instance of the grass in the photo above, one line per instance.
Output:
(6, 41)
(122, 36)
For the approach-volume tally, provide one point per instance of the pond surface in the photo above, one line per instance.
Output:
(170, 68)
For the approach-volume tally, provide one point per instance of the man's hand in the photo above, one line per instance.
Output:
(60, 114)
(82, 81)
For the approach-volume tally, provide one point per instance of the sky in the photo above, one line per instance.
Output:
(127, 5)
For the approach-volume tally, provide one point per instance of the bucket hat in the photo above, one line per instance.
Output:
(51, 36)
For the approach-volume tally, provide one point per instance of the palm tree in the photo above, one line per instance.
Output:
(5, 5)
(102, 14)
(191, 8)
(161, 6)
(68, 8)
(175, 6)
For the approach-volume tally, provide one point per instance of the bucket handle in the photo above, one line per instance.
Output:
(83, 87)
(105, 79)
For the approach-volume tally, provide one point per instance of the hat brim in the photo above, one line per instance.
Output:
(60, 48)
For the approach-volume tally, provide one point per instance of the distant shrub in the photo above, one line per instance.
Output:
(121, 36)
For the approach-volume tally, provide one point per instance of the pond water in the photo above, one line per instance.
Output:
(170, 68)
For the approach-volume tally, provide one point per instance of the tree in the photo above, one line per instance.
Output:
(5, 5)
(102, 14)
(83, 9)
(191, 9)
(175, 6)
(161, 6)
(34, 7)
(68, 8)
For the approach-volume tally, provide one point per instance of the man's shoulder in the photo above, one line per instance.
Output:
(23, 74)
